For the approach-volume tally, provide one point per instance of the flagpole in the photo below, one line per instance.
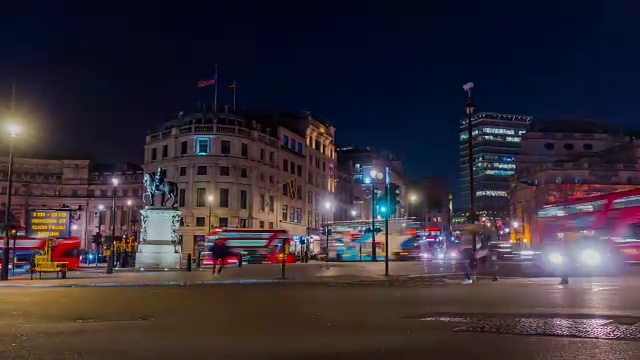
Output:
(215, 94)
(234, 95)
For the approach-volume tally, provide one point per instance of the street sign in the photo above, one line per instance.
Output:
(47, 223)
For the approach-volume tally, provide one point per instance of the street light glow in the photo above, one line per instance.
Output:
(328, 204)
(354, 213)
(101, 207)
(413, 197)
(515, 224)
(114, 181)
(129, 202)
(210, 198)
(14, 129)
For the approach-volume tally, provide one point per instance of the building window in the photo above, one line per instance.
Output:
(293, 168)
(262, 154)
(293, 144)
(200, 221)
(300, 147)
(243, 199)
(183, 147)
(202, 146)
(285, 165)
(183, 171)
(310, 218)
(201, 197)
(587, 147)
(284, 212)
(270, 224)
(244, 173)
(271, 180)
(202, 170)
(317, 145)
(182, 197)
(292, 214)
(549, 146)
(224, 198)
(298, 215)
(299, 192)
(272, 157)
(225, 147)
(324, 166)
(263, 200)
(309, 197)
(243, 223)
(244, 150)
(568, 146)
(223, 222)
(224, 171)
(299, 170)
(271, 204)
(285, 140)
(285, 189)
(165, 151)
(261, 224)
(154, 154)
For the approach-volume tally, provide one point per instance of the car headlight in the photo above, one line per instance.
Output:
(527, 252)
(555, 258)
(590, 257)
(453, 254)
(440, 256)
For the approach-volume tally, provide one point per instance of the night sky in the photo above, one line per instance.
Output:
(93, 86)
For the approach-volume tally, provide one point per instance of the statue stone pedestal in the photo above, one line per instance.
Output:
(159, 247)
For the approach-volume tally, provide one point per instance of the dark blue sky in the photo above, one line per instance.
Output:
(95, 85)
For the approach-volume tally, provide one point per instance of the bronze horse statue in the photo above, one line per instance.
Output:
(154, 187)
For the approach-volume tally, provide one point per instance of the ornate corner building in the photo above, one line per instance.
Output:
(247, 170)
(79, 185)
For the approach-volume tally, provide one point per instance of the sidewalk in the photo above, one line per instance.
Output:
(248, 274)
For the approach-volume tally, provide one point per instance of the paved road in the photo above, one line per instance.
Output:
(344, 320)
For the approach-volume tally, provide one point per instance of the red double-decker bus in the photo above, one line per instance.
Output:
(608, 221)
(63, 250)
(257, 246)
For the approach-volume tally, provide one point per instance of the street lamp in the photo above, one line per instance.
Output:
(327, 205)
(113, 227)
(13, 130)
(129, 203)
(99, 234)
(210, 199)
(354, 213)
(374, 174)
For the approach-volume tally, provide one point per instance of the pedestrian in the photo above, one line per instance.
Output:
(484, 257)
(219, 251)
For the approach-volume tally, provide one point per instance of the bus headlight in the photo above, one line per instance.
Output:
(590, 257)
(440, 255)
(555, 258)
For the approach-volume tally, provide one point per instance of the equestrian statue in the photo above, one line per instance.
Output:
(156, 184)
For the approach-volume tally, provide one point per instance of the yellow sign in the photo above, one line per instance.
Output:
(49, 224)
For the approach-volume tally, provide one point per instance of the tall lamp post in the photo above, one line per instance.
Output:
(113, 227)
(99, 235)
(129, 202)
(328, 205)
(14, 130)
(470, 108)
(374, 175)
(412, 200)
(210, 199)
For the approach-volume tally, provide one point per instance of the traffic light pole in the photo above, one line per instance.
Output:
(374, 256)
(386, 228)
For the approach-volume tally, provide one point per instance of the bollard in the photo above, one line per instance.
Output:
(189, 262)
(239, 260)
(198, 256)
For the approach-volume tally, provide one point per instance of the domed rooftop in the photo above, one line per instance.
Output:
(572, 125)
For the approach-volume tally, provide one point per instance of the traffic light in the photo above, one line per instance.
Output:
(382, 208)
(394, 195)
